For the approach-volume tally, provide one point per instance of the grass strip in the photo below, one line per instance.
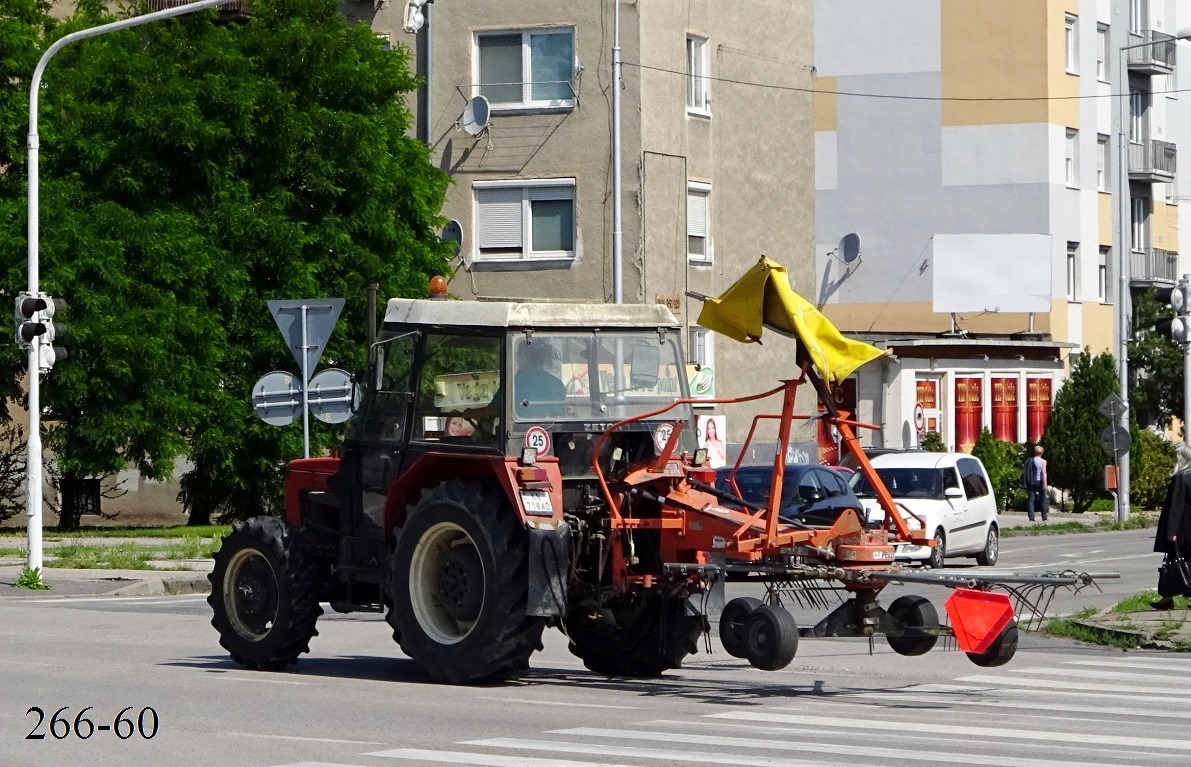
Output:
(92, 531)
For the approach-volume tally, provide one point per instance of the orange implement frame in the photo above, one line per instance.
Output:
(697, 517)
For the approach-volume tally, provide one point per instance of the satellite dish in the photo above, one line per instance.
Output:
(849, 247)
(453, 233)
(475, 116)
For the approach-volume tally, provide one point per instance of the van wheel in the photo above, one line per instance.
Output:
(992, 548)
(939, 552)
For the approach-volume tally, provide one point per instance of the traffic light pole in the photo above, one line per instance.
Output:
(33, 477)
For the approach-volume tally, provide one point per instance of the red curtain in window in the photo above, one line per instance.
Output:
(829, 454)
(968, 412)
(1004, 409)
(1038, 393)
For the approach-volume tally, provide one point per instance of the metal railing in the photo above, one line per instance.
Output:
(1156, 58)
(1153, 158)
(1154, 265)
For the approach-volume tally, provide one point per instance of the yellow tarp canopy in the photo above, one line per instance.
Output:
(763, 296)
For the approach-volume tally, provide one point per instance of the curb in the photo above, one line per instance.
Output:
(152, 587)
(1138, 638)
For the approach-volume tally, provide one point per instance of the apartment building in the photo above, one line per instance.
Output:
(976, 150)
(717, 155)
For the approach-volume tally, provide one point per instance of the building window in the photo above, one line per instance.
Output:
(1102, 52)
(698, 222)
(1172, 84)
(1102, 275)
(1137, 15)
(1102, 163)
(1071, 43)
(518, 221)
(1139, 105)
(527, 70)
(697, 96)
(1139, 215)
(1072, 255)
(1071, 166)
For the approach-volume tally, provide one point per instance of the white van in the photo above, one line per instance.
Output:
(947, 493)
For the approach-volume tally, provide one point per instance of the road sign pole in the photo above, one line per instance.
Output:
(305, 386)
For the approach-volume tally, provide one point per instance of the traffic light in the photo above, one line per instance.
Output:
(35, 323)
(1179, 298)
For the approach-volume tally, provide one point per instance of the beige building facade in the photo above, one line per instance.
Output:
(978, 150)
(717, 156)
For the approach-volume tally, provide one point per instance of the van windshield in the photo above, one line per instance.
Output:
(586, 376)
(903, 483)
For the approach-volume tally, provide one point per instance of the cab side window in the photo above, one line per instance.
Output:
(390, 391)
(457, 399)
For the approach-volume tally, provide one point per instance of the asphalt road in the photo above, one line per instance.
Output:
(356, 701)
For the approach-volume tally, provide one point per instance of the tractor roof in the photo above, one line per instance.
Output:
(507, 314)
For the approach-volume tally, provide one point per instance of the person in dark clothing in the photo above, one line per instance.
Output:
(1174, 523)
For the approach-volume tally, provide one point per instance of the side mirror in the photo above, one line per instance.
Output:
(953, 492)
(643, 372)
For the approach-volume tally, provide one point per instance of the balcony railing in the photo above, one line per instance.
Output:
(1153, 265)
(228, 9)
(1153, 161)
(1155, 59)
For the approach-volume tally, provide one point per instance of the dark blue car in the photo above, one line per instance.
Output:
(811, 494)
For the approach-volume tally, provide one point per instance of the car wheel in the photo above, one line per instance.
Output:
(939, 552)
(992, 548)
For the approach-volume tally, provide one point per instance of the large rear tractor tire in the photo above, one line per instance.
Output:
(1001, 651)
(642, 640)
(459, 586)
(732, 620)
(918, 620)
(264, 594)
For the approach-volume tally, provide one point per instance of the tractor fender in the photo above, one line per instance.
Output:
(432, 468)
(549, 564)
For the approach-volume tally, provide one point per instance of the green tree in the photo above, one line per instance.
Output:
(1150, 472)
(932, 442)
(1157, 363)
(192, 171)
(1003, 461)
(1075, 461)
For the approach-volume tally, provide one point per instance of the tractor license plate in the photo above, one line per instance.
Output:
(537, 502)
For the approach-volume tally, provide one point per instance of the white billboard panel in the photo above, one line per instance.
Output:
(991, 273)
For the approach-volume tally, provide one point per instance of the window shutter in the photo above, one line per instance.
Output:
(696, 214)
(498, 218)
(551, 192)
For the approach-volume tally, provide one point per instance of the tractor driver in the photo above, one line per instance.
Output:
(537, 388)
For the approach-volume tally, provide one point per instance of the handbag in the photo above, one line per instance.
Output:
(1174, 576)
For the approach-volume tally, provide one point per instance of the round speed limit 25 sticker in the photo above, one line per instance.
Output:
(539, 439)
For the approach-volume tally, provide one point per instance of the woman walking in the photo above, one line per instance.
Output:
(1174, 524)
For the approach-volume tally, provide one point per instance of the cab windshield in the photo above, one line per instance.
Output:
(586, 376)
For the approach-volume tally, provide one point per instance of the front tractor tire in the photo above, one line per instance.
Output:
(459, 586)
(264, 594)
(641, 639)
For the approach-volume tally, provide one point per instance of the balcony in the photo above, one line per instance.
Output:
(1152, 161)
(232, 10)
(1153, 266)
(1155, 59)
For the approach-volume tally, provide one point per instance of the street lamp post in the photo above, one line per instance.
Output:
(1122, 305)
(33, 476)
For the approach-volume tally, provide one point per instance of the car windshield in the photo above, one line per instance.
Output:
(589, 376)
(903, 483)
(754, 484)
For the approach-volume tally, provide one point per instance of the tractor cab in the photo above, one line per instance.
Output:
(488, 378)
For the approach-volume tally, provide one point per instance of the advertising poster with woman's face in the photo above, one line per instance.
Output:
(713, 432)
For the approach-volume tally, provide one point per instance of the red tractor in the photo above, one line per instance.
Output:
(516, 466)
